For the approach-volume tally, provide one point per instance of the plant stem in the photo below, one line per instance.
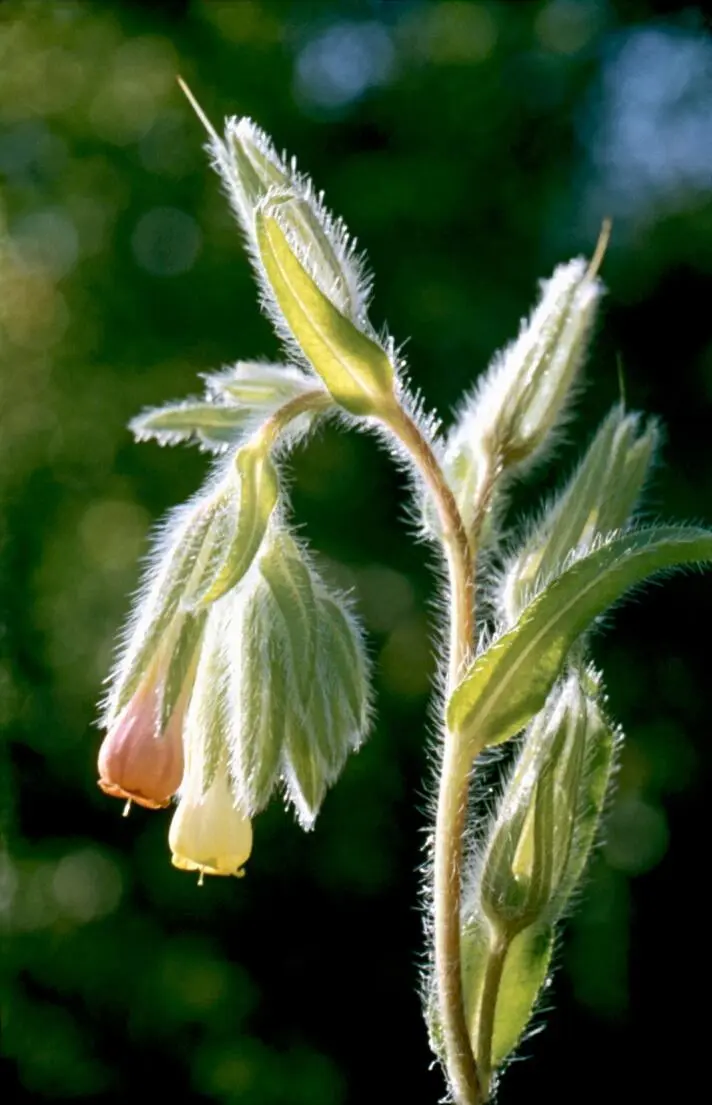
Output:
(497, 954)
(314, 400)
(454, 775)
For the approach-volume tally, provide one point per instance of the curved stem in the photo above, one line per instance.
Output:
(454, 775)
(455, 540)
(497, 954)
(314, 400)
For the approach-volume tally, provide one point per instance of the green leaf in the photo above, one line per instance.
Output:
(509, 683)
(211, 425)
(525, 970)
(355, 369)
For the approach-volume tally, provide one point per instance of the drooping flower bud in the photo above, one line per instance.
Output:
(281, 692)
(302, 687)
(209, 833)
(158, 625)
(138, 761)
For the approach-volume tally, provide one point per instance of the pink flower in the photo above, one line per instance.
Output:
(137, 762)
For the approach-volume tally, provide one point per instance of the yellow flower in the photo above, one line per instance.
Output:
(209, 833)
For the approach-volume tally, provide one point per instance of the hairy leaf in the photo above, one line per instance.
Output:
(508, 683)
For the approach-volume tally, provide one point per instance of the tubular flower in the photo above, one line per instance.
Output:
(209, 833)
(136, 761)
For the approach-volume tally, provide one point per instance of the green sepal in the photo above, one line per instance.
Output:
(163, 604)
(238, 531)
(212, 425)
(355, 369)
(602, 740)
(262, 701)
(334, 717)
(292, 593)
(343, 649)
(259, 386)
(306, 774)
(209, 715)
(184, 649)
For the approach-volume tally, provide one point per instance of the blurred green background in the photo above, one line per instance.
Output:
(470, 146)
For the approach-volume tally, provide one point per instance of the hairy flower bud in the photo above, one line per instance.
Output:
(137, 760)
(158, 625)
(530, 844)
(296, 685)
(598, 500)
(507, 421)
(252, 170)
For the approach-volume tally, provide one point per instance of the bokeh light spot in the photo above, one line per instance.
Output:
(566, 26)
(636, 835)
(453, 33)
(139, 77)
(47, 238)
(86, 885)
(406, 661)
(166, 149)
(652, 134)
(340, 63)
(385, 597)
(166, 241)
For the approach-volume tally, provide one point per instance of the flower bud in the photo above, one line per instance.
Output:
(209, 833)
(535, 374)
(136, 760)
(281, 690)
(252, 169)
(508, 419)
(598, 500)
(529, 842)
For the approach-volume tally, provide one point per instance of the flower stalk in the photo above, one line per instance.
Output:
(455, 768)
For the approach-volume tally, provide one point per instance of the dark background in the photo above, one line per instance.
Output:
(470, 147)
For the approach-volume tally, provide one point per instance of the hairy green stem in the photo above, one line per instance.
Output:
(315, 400)
(454, 775)
(496, 957)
